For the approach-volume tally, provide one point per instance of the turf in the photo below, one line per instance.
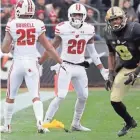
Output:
(98, 115)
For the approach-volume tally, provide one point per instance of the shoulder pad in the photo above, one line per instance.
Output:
(9, 25)
(60, 28)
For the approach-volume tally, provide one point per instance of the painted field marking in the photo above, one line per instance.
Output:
(24, 100)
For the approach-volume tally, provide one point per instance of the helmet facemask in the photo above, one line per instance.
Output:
(76, 20)
(116, 18)
(117, 23)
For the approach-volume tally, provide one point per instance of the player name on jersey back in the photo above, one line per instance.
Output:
(24, 25)
(25, 33)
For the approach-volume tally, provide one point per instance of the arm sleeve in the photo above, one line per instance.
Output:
(93, 54)
(91, 31)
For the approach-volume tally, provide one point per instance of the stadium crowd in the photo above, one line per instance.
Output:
(52, 12)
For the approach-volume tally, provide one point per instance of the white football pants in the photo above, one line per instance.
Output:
(23, 69)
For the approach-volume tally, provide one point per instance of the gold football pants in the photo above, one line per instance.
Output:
(119, 89)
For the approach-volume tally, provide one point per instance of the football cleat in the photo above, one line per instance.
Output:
(40, 129)
(79, 128)
(127, 128)
(5, 129)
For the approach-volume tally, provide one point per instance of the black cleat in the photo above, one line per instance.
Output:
(127, 127)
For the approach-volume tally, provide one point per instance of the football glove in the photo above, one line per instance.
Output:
(109, 82)
(63, 66)
(132, 76)
(104, 72)
(40, 69)
(55, 68)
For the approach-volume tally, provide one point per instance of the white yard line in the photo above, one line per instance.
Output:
(25, 100)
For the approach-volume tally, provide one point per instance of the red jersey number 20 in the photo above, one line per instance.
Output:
(76, 46)
(27, 37)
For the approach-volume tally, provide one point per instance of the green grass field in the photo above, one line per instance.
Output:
(98, 115)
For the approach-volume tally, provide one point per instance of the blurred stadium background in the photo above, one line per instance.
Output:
(99, 115)
(52, 12)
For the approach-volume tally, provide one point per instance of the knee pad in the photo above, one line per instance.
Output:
(62, 94)
(116, 97)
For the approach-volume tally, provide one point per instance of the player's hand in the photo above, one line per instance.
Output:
(104, 72)
(40, 67)
(109, 82)
(55, 68)
(87, 63)
(63, 67)
(132, 76)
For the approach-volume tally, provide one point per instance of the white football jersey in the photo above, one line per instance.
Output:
(25, 33)
(74, 40)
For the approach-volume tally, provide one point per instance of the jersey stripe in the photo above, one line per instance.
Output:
(8, 84)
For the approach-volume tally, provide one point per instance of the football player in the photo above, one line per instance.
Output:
(74, 36)
(122, 37)
(24, 31)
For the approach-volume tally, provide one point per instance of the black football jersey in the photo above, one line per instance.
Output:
(126, 43)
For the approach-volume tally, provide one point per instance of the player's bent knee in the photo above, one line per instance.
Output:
(35, 99)
(83, 97)
(61, 94)
(115, 98)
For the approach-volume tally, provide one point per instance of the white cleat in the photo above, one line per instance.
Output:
(5, 129)
(40, 129)
(79, 128)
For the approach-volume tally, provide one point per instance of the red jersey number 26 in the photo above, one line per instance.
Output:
(29, 34)
(76, 46)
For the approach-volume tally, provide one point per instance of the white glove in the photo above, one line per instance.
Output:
(55, 68)
(63, 66)
(104, 72)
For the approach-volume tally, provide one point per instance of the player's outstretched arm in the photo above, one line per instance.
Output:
(6, 45)
(96, 59)
(56, 42)
(49, 48)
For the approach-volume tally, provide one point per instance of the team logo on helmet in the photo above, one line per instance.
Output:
(19, 4)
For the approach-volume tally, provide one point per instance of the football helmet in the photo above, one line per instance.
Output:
(79, 9)
(114, 13)
(24, 7)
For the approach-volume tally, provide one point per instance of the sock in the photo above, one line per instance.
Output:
(38, 110)
(8, 113)
(53, 107)
(120, 109)
(79, 109)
